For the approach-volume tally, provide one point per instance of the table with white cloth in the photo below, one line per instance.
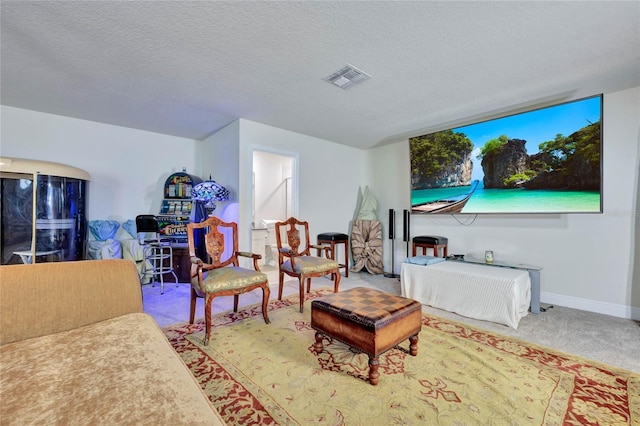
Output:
(483, 292)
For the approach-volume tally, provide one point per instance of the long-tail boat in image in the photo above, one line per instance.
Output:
(453, 204)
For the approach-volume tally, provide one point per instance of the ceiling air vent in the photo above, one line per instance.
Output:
(347, 77)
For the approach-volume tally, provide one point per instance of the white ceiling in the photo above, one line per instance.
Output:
(188, 68)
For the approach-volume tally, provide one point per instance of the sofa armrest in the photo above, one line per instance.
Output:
(45, 298)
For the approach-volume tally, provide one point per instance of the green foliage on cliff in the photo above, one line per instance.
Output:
(518, 178)
(492, 146)
(583, 146)
(432, 154)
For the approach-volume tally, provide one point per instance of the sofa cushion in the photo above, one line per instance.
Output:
(45, 298)
(119, 371)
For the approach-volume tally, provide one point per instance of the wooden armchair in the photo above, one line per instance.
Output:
(218, 277)
(298, 262)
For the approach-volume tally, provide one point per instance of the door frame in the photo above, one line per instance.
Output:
(295, 175)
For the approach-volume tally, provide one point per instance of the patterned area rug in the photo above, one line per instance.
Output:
(257, 373)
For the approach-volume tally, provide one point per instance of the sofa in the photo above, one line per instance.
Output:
(76, 348)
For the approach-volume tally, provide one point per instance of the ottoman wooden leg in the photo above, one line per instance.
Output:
(317, 346)
(413, 347)
(373, 370)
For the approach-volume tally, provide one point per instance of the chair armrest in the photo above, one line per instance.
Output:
(200, 263)
(248, 254)
(323, 247)
(287, 252)
(253, 256)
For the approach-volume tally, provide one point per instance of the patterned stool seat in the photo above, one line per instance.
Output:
(367, 320)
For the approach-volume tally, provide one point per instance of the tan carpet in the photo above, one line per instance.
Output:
(257, 373)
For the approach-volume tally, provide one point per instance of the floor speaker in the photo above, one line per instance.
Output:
(406, 227)
(392, 237)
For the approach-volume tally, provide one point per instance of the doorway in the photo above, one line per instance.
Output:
(274, 198)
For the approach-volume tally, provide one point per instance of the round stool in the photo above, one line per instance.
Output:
(333, 238)
(434, 242)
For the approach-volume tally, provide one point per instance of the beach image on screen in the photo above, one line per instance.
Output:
(547, 160)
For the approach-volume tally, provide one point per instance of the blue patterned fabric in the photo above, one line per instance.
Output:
(103, 230)
(424, 260)
(130, 227)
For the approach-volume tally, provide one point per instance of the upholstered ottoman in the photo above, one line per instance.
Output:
(368, 320)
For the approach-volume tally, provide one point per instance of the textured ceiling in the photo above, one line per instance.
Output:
(188, 68)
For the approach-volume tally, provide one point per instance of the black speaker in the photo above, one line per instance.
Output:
(406, 225)
(392, 237)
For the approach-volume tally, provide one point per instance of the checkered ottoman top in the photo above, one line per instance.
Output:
(368, 307)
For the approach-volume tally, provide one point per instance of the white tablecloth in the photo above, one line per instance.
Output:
(482, 292)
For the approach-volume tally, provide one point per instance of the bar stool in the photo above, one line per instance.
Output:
(158, 253)
(333, 238)
(434, 242)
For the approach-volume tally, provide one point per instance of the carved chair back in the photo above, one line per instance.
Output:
(217, 232)
(292, 229)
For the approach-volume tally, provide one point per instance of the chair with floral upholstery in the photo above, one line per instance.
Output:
(295, 259)
(220, 274)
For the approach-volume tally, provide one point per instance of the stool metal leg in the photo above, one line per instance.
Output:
(155, 256)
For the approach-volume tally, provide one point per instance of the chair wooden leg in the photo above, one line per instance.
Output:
(266, 292)
(280, 285)
(301, 281)
(337, 281)
(207, 318)
(235, 302)
(192, 314)
(308, 285)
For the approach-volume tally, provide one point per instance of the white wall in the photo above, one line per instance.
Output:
(128, 167)
(218, 157)
(588, 259)
(330, 175)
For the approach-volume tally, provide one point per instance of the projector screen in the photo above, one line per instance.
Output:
(547, 160)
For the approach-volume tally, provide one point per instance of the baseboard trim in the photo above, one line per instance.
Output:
(620, 311)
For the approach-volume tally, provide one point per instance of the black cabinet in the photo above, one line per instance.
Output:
(181, 262)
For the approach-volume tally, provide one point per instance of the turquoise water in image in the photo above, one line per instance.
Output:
(514, 200)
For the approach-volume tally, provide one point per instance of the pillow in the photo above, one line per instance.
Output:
(424, 260)
(103, 230)
(130, 227)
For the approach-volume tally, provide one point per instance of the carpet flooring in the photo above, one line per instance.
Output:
(257, 373)
(602, 338)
